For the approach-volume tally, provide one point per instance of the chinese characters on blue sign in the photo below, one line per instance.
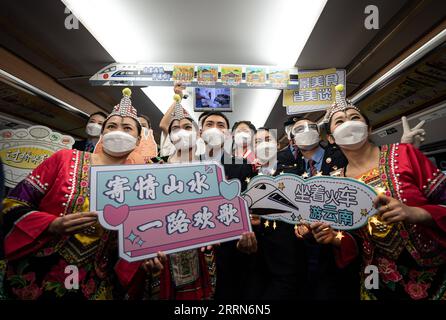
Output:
(342, 202)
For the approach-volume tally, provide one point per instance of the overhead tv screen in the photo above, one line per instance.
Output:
(213, 99)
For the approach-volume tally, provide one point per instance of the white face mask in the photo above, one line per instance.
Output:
(118, 143)
(183, 139)
(266, 151)
(307, 140)
(213, 137)
(93, 129)
(242, 139)
(351, 135)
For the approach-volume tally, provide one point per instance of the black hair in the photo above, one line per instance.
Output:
(190, 119)
(147, 119)
(202, 115)
(271, 131)
(327, 124)
(302, 118)
(206, 115)
(293, 119)
(99, 113)
(138, 125)
(248, 123)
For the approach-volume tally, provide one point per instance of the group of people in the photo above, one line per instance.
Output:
(47, 224)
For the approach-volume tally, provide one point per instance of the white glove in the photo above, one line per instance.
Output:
(413, 136)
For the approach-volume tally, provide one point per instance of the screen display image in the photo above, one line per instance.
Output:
(207, 99)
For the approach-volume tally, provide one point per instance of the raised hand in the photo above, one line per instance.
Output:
(413, 136)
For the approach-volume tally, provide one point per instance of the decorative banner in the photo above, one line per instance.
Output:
(255, 77)
(197, 75)
(22, 150)
(231, 76)
(168, 207)
(316, 91)
(344, 203)
(207, 75)
(279, 78)
(183, 74)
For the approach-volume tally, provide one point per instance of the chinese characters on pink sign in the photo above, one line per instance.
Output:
(169, 207)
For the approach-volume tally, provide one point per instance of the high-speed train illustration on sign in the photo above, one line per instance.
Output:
(344, 203)
(264, 198)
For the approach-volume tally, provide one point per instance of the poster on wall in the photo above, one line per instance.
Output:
(231, 76)
(316, 91)
(22, 150)
(255, 76)
(183, 74)
(207, 75)
(279, 78)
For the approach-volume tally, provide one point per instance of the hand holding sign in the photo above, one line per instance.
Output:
(392, 210)
(303, 231)
(323, 233)
(248, 243)
(155, 264)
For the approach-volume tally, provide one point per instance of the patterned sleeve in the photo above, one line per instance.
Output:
(432, 182)
(23, 223)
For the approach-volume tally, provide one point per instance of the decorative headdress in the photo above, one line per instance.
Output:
(340, 104)
(179, 113)
(125, 108)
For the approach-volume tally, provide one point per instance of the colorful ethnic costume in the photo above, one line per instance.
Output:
(36, 259)
(39, 263)
(187, 275)
(411, 258)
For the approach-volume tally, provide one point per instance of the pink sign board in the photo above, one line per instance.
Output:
(168, 207)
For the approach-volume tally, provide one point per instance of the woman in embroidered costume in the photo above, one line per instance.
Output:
(48, 224)
(406, 240)
(186, 275)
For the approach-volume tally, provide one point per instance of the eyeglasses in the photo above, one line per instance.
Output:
(304, 128)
